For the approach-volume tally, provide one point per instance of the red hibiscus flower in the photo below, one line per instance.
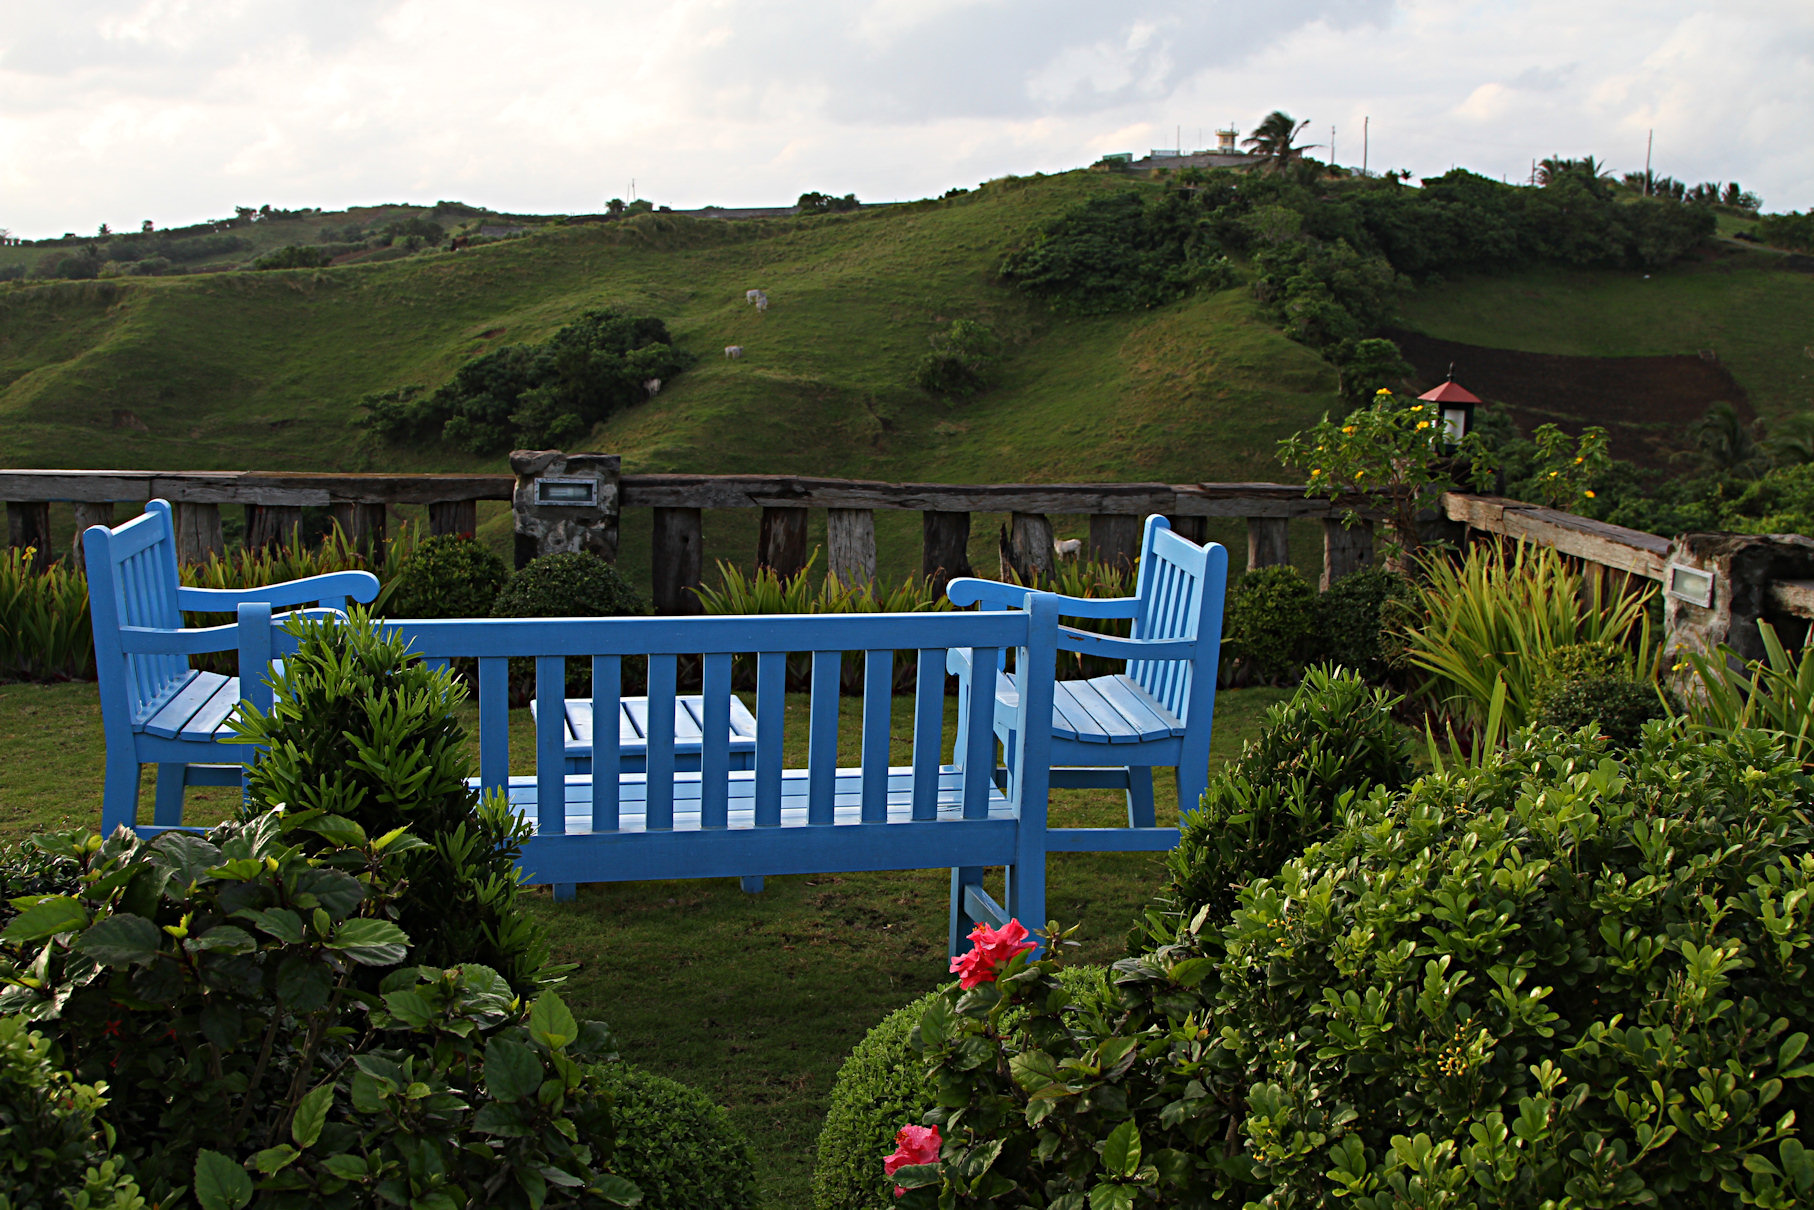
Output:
(912, 1145)
(991, 950)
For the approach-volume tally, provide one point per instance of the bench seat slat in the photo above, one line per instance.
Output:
(1149, 718)
(633, 718)
(172, 717)
(209, 724)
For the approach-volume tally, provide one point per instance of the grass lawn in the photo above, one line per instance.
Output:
(754, 998)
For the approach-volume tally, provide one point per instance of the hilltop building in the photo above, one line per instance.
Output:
(1172, 158)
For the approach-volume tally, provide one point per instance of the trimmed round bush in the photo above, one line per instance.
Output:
(1618, 706)
(573, 585)
(1357, 616)
(1270, 628)
(1335, 741)
(448, 576)
(678, 1147)
(882, 1087)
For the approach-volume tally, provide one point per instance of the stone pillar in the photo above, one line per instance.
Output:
(1717, 588)
(564, 502)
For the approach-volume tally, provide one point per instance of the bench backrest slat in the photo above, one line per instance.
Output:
(132, 577)
(607, 691)
(822, 736)
(550, 744)
(928, 730)
(715, 741)
(878, 707)
(1173, 604)
(979, 744)
(494, 745)
(664, 675)
(771, 717)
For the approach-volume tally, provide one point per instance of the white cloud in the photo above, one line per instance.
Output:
(117, 110)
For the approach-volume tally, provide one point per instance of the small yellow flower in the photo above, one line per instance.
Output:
(1358, 474)
(1417, 407)
(1347, 428)
(1315, 471)
(1553, 474)
(1382, 391)
(1589, 495)
(1423, 424)
(1679, 666)
(1579, 461)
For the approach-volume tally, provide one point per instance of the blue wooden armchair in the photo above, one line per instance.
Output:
(1110, 731)
(155, 708)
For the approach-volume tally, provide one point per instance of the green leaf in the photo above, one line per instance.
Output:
(302, 984)
(1192, 971)
(512, 1070)
(550, 1023)
(346, 1167)
(280, 923)
(370, 942)
(495, 1117)
(275, 1159)
(616, 1190)
(225, 938)
(337, 829)
(220, 1184)
(410, 1007)
(1112, 1197)
(311, 1113)
(935, 1024)
(1121, 1150)
(917, 1176)
(47, 918)
(121, 940)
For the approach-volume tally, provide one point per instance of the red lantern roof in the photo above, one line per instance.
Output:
(1448, 392)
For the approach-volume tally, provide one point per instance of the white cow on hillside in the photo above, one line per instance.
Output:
(733, 351)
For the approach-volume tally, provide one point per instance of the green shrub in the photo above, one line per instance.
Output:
(1562, 977)
(882, 1087)
(1269, 629)
(961, 362)
(1335, 741)
(675, 1145)
(1618, 706)
(449, 576)
(573, 585)
(293, 256)
(53, 1147)
(364, 731)
(1357, 619)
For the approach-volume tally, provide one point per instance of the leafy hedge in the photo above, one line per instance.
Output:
(1564, 976)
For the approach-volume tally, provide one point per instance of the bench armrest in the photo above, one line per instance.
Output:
(199, 640)
(361, 586)
(967, 590)
(1115, 648)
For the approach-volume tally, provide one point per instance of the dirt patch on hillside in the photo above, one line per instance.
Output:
(1645, 403)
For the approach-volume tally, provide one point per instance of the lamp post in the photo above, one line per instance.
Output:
(1456, 405)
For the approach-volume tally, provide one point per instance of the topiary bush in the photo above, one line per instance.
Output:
(1269, 627)
(572, 585)
(677, 1147)
(448, 576)
(1594, 684)
(367, 733)
(1356, 619)
(1335, 741)
(882, 1086)
(1559, 976)
(54, 1150)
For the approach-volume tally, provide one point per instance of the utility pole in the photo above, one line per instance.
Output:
(1332, 144)
(1365, 132)
(1649, 141)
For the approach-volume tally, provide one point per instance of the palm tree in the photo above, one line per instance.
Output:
(1273, 137)
(1722, 439)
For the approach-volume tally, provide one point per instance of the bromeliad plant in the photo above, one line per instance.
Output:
(1389, 457)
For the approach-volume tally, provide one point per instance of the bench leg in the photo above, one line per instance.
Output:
(1027, 896)
(565, 892)
(751, 884)
(962, 921)
(120, 792)
(1140, 797)
(167, 808)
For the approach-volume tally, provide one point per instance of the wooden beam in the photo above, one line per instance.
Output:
(1115, 539)
(850, 545)
(1612, 546)
(271, 525)
(1191, 526)
(944, 546)
(198, 533)
(453, 517)
(1268, 542)
(1344, 550)
(28, 525)
(677, 558)
(363, 525)
(1026, 548)
(781, 545)
(89, 515)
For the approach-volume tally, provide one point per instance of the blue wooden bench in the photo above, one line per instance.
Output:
(716, 821)
(155, 708)
(1111, 731)
(633, 733)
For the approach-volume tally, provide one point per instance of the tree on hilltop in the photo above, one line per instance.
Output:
(1275, 138)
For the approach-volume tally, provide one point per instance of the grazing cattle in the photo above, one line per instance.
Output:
(459, 242)
(652, 386)
(1070, 548)
(762, 303)
(733, 351)
(752, 295)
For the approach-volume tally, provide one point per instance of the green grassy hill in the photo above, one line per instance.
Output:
(246, 369)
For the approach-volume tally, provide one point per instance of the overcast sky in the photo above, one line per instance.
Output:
(116, 111)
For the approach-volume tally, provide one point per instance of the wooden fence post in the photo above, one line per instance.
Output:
(1344, 550)
(1268, 542)
(269, 525)
(677, 557)
(1194, 528)
(781, 545)
(363, 525)
(453, 517)
(198, 532)
(1026, 548)
(944, 546)
(88, 514)
(850, 545)
(28, 524)
(1115, 539)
